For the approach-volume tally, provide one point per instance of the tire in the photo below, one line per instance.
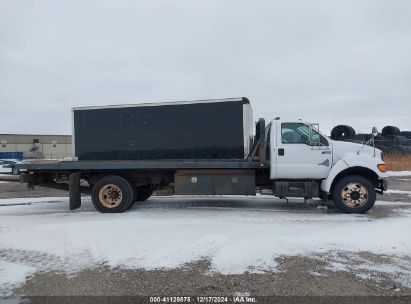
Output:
(390, 131)
(359, 199)
(112, 194)
(406, 134)
(404, 149)
(343, 132)
(380, 142)
(380, 138)
(385, 149)
(363, 137)
(143, 193)
(15, 171)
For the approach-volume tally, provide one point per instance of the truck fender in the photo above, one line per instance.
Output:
(339, 166)
(365, 162)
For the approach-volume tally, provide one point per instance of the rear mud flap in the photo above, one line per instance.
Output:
(74, 191)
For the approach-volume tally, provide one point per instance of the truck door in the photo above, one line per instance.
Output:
(296, 155)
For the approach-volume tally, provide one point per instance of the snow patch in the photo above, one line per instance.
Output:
(397, 268)
(389, 191)
(317, 274)
(389, 203)
(398, 173)
(31, 200)
(162, 234)
(13, 275)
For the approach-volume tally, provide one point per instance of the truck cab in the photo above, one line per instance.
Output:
(306, 163)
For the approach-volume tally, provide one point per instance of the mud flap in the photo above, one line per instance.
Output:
(74, 191)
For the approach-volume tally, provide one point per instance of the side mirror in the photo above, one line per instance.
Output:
(374, 131)
(314, 140)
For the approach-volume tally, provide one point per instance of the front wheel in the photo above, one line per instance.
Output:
(354, 194)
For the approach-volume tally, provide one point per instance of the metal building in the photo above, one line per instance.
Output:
(29, 146)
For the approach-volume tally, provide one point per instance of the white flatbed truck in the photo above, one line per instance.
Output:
(206, 147)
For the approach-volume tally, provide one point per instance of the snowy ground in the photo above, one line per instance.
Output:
(235, 234)
(399, 173)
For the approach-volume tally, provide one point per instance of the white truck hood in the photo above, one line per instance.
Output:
(344, 148)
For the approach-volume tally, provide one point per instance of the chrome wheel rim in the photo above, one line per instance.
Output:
(354, 195)
(110, 196)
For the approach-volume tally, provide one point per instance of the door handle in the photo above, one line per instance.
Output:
(280, 152)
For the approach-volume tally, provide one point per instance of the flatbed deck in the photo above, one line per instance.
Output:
(142, 165)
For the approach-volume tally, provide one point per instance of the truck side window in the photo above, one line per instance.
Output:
(298, 133)
(294, 133)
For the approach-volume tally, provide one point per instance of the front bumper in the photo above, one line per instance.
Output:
(382, 185)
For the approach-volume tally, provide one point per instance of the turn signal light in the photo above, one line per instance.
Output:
(382, 167)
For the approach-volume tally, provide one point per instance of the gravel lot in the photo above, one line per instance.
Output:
(337, 272)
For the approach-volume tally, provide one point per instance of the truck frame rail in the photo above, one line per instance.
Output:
(143, 165)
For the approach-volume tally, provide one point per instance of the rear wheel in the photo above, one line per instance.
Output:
(354, 194)
(143, 193)
(112, 194)
(15, 171)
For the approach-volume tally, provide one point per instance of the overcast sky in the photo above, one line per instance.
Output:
(330, 62)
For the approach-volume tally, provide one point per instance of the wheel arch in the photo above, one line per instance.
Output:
(357, 170)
